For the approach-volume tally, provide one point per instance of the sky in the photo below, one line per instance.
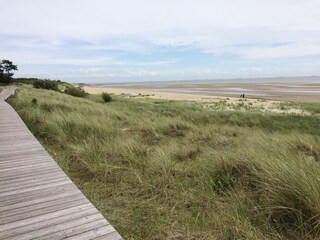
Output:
(101, 41)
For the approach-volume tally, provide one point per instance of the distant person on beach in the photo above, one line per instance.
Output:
(242, 96)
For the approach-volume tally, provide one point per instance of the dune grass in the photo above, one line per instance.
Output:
(175, 170)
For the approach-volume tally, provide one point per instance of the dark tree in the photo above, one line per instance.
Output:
(6, 68)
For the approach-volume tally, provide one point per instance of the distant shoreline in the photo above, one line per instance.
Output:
(315, 79)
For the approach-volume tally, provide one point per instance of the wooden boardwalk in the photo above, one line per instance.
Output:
(37, 199)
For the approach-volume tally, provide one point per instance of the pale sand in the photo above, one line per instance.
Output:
(266, 105)
(166, 95)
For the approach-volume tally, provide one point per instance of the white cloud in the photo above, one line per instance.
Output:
(250, 29)
(153, 63)
(45, 58)
(101, 18)
(116, 44)
(290, 50)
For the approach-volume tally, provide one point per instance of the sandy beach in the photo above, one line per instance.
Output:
(208, 101)
(262, 95)
(154, 94)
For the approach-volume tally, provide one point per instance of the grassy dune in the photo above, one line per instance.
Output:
(176, 170)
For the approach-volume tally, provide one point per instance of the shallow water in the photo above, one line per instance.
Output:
(304, 79)
(282, 88)
(204, 91)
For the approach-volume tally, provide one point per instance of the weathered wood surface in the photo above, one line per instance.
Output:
(37, 199)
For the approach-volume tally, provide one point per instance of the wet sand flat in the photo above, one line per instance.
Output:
(304, 90)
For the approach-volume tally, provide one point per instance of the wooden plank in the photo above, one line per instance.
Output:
(62, 231)
(17, 191)
(50, 203)
(15, 232)
(5, 156)
(36, 219)
(28, 185)
(93, 233)
(12, 159)
(18, 198)
(24, 167)
(33, 179)
(27, 171)
(40, 212)
(30, 174)
(42, 205)
(36, 201)
(111, 236)
(18, 139)
(32, 151)
(12, 163)
(36, 176)
(15, 145)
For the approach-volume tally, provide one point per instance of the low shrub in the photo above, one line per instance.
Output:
(33, 80)
(76, 92)
(46, 84)
(5, 80)
(34, 102)
(106, 97)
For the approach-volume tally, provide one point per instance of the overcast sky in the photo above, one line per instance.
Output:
(141, 40)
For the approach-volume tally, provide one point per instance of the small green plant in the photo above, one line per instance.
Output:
(34, 102)
(221, 184)
(106, 97)
(76, 92)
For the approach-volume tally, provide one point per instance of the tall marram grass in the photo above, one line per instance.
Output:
(174, 170)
